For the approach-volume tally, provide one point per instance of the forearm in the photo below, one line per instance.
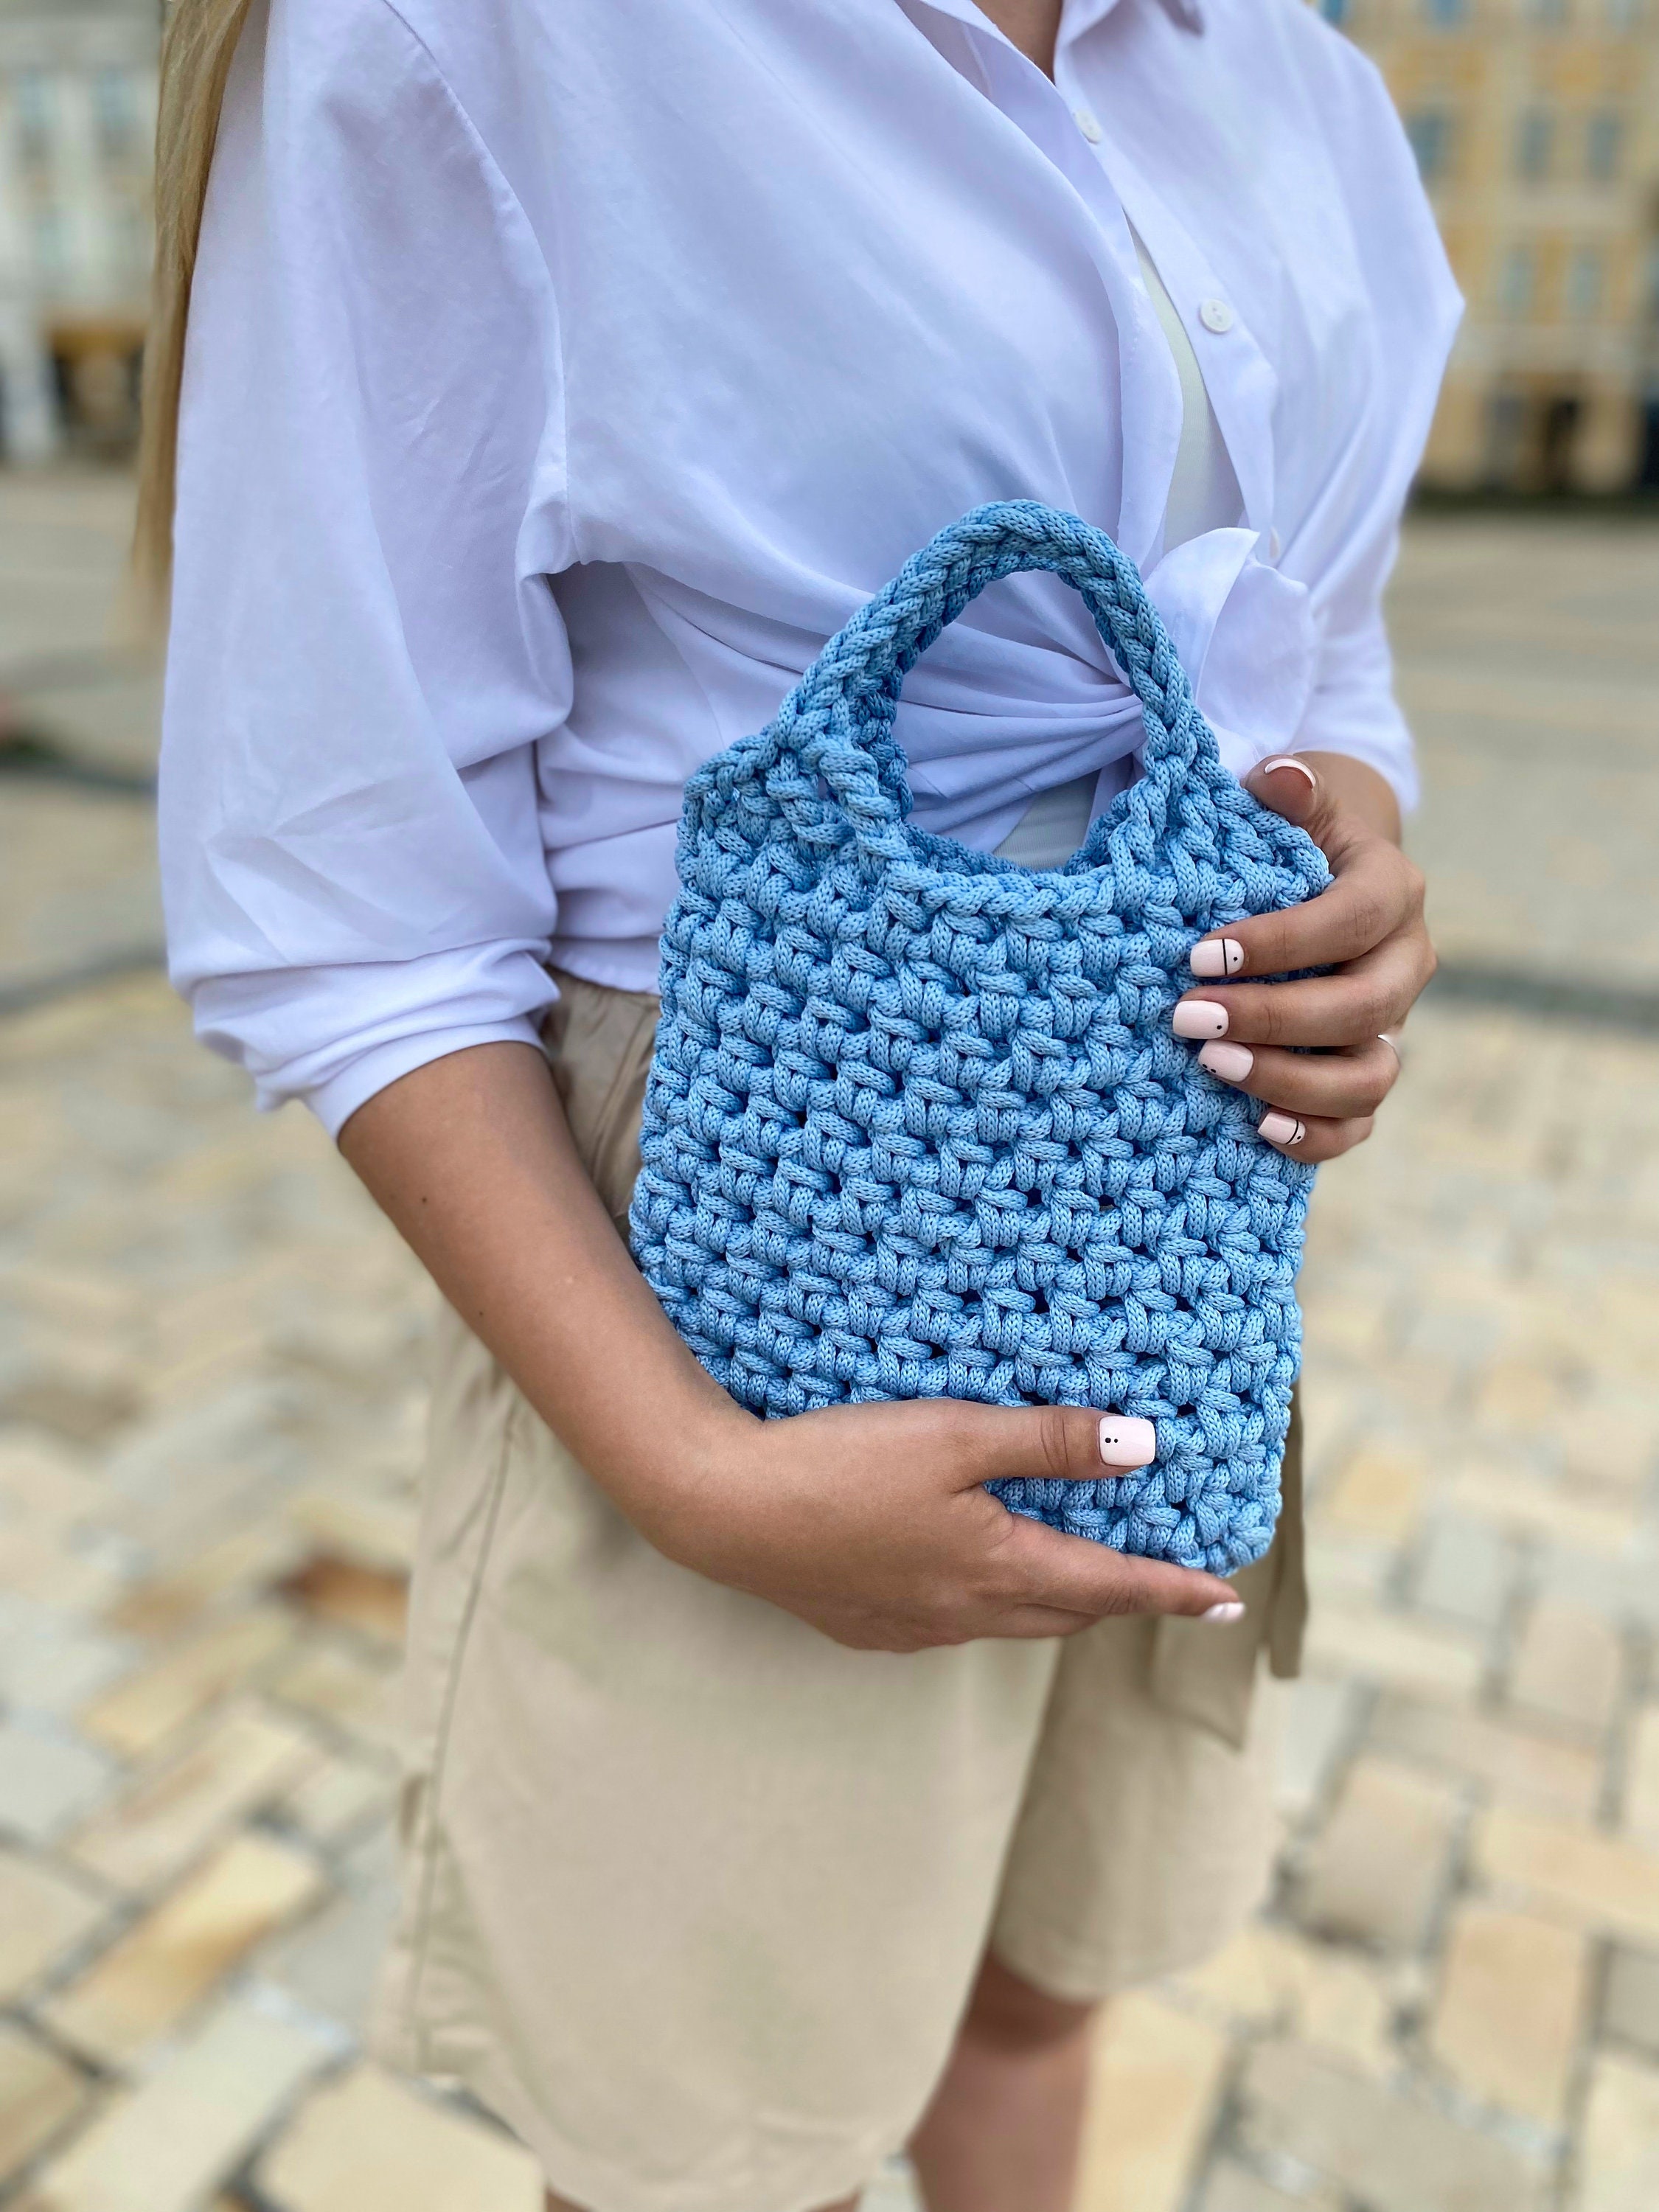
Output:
(472, 1158)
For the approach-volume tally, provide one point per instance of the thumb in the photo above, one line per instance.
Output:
(1065, 1444)
(1287, 785)
(1076, 1445)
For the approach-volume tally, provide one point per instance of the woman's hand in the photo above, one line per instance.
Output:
(872, 1523)
(1368, 928)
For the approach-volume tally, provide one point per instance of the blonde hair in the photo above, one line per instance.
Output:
(199, 43)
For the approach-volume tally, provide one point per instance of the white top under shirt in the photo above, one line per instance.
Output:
(1204, 495)
(559, 380)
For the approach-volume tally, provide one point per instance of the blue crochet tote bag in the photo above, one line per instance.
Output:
(916, 1125)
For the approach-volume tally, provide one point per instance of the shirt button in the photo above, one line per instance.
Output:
(1215, 315)
(1274, 548)
(1088, 124)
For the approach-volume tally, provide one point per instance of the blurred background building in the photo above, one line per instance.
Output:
(77, 117)
(1535, 124)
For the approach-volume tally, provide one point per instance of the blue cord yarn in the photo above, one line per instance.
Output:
(916, 1125)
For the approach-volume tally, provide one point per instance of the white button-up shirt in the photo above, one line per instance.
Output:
(561, 378)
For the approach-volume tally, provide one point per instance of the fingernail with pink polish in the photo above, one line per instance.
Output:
(1217, 956)
(1228, 1609)
(1290, 760)
(1127, 1440)
(1231, 1062)
(1282, 1128)
(1200, 1018)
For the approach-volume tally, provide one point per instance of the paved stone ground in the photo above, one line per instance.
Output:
(209, 1413)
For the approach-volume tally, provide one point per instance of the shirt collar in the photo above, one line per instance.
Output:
(1079, 15)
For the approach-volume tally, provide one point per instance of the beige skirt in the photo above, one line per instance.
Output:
(694, 1896)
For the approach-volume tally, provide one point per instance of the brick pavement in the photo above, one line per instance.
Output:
(209, 1414)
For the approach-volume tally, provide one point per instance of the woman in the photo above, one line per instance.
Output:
(558, 380)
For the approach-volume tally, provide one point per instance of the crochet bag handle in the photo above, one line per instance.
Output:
(838, 721)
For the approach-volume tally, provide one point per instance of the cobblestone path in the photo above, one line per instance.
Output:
(210, 1416)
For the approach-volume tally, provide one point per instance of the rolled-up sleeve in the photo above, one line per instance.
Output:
(365, 651)
(1353, 528)
(1353, 710)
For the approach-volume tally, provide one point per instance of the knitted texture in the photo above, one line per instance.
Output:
(917, 1125)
